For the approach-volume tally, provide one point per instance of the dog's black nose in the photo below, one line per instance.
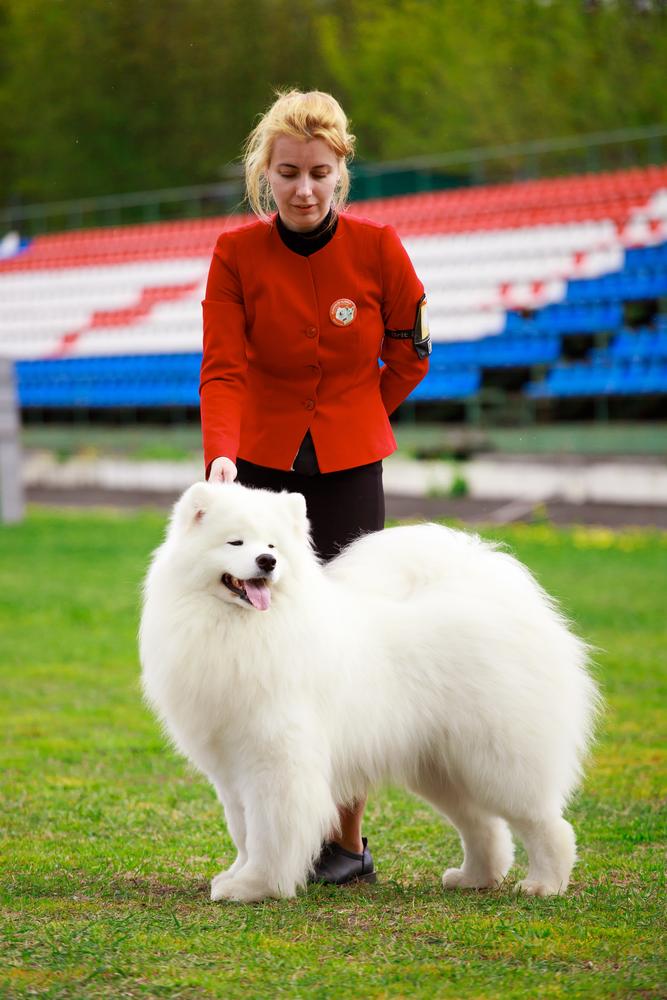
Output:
(266, 562)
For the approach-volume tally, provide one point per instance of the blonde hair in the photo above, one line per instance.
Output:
(311, 115)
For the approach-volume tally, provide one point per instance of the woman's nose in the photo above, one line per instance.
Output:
(305, 187)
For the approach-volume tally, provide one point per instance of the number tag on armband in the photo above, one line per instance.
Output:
(419, 334)
(421, 337)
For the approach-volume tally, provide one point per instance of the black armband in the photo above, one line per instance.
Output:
(421, 338)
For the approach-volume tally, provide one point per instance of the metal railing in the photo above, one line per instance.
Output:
(483, 165)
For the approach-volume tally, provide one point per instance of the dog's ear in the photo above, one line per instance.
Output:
(296, 505)
(191, 508)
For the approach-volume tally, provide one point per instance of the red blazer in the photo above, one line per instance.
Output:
(277, 361)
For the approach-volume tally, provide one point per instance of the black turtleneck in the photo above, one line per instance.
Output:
(311, 241)
(304, 244)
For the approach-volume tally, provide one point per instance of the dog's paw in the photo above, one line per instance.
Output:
(533, 887)
(456, 878)
(240, 890)
(233, 871)
(221, 877)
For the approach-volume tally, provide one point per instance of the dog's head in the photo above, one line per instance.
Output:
(238, 543)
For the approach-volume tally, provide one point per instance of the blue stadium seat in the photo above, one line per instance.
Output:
(447, 384)
(602, 378)
(635, 362)
(497, 351)
(124, 380)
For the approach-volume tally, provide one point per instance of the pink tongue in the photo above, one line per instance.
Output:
(258, 594)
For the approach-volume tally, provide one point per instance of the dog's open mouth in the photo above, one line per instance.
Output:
(256, 592)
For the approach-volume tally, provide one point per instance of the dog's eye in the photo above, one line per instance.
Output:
(270, 546)
(238, 542)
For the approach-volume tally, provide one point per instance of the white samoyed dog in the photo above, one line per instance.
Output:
(421, 656)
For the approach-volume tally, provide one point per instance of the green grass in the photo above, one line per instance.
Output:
(441, 440)
(108, 839)
(176, 442)
(136, 442)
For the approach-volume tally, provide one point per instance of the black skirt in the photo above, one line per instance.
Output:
(341, 505)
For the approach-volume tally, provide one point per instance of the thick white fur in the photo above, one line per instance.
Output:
(421, 656)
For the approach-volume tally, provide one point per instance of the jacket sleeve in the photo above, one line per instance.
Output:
(402, 293)
(224, 363)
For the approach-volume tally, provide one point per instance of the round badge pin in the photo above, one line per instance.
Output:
(342, 312)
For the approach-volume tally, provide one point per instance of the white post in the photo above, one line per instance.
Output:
(12, 505)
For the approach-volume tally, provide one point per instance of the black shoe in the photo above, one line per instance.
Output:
(337, 866)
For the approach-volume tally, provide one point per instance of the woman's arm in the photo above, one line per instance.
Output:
(406, 346)
(224, 363)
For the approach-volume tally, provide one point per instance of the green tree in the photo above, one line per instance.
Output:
(102, 96)
(420, 76)
(116, 95)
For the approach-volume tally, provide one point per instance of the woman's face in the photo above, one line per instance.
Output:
(303, 175)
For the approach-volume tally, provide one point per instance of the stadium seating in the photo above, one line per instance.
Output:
(604, 377)
(112, 317)
(136, 380)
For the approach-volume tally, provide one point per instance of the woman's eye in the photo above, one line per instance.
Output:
(235, 543)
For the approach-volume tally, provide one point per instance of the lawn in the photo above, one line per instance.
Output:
(109, 839)
(182, 441)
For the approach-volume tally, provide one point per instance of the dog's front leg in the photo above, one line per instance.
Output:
(234, 815)
(288, 812)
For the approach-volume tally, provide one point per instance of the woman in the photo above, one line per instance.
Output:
(300, 307)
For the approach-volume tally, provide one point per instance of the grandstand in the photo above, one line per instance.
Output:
(515, 275)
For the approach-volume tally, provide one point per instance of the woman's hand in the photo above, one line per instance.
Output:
(223, 470)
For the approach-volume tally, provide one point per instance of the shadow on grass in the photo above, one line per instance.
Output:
(147, 887)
